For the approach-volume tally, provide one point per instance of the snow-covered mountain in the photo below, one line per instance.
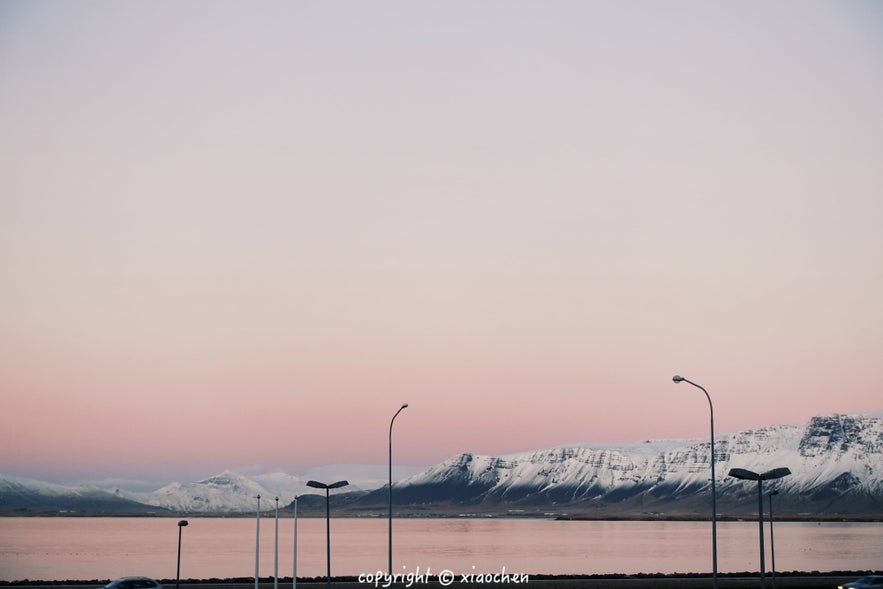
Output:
(227, 491)
(24, 495)
(836, 463)
(222, 493)
(233, 492)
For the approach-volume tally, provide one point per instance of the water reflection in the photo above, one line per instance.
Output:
(101, 548)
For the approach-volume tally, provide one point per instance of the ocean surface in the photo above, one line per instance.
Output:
(107, 548)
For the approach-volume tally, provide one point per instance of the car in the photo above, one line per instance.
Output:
(869, 582)
(134, 583)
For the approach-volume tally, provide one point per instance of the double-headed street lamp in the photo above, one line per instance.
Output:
(181, 524)
(318, 485)
(678, 379)
(776, 473)
(404, 406)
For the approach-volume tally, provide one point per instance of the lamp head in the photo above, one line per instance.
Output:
(182, 523)
(776, 473)
(404, 406)
(317, 485)
(741, 473)
(677, 378)
(338, 484)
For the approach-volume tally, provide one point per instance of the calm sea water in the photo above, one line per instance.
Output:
(102, 548)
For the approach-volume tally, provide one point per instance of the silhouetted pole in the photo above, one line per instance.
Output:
(181, 524)
(257, 546)
(328, 537)
(678, 379)
(760, 532)
(294, 571)
(389, 570)
(776, 473)
(318, 485)
(772, 542)
(276, 550)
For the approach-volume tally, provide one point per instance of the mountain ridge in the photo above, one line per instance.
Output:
(836, 462)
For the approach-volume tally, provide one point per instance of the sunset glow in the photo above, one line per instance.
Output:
(242, 235)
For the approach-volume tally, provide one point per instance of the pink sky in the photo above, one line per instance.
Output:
(241, 236)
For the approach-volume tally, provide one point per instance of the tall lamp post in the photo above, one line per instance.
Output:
(678, 379)
(776, 473)
(181, 524)
(318, 485)
(772, 542)
(391, 421)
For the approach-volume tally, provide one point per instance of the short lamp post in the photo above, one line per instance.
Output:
(318, 485)
(776, 473)
(294, 561)
(676, 380)
(181, 524)
(276, 550)
(257, 545)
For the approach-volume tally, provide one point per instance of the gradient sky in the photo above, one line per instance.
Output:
(241, 234)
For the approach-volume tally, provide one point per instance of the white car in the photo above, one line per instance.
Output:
(869, 582)
(133, 583)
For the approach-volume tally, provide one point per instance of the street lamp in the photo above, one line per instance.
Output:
(776, 473)
(389, 570)
(181, 524)
(772, 543)
(318, 485)
(678, 379)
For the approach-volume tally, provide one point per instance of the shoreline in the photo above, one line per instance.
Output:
(739, 580)
(801, 518)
